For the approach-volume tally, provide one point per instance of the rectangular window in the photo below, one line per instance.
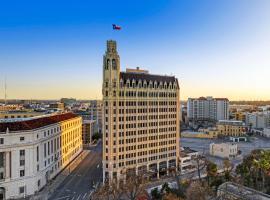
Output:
(1, 140)
(21, 138)
(45, 151)
(22, 152)
(21, 190)
(1, 175)
(21, 173)
(48, 148)
(22, 162)
(37, 153)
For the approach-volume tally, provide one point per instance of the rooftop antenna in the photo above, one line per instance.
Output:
(5, 90)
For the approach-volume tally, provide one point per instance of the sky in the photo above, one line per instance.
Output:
(53, 49)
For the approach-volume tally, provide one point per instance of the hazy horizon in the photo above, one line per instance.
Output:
(53, 49)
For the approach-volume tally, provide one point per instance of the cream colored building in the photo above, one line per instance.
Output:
(35, 150)
(224, 150)
(141, 120)
(207, 109)
(18, 114)
(231, 128)
(9, 107)
(205, 133)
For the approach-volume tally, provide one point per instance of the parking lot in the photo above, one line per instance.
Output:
(202, 145)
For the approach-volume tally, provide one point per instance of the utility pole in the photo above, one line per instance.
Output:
(5, 91)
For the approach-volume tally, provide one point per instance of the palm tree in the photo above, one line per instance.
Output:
(264, 166)
(211, 170)
(228, 166)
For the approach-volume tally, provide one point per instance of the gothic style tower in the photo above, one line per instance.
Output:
(111, 69)
(140, 121)
(111, 73)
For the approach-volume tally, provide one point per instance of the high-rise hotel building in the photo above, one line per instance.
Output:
(207, 109)
(141, 120)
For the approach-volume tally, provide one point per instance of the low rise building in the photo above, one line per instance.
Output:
(224, 150)
(88, 128)
(19, 114)
(231, 128)
(207, 133)
(238, 139)
(34, 150)
(234, 191)
(266, 132)
(57, 106)
(240, 116)
(258, 120)
(10, 107)
(187, 162)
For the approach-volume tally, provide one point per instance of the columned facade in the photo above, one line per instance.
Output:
(34, 150)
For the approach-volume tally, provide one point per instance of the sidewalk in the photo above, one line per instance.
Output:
(45, 193)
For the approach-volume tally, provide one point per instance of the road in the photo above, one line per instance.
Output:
(79, 184)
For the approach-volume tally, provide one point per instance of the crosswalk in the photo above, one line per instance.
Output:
(84, 196)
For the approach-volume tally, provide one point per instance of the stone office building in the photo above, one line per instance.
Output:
(141, 120)
(34, 150)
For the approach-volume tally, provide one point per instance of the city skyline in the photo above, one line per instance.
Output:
(217, 49)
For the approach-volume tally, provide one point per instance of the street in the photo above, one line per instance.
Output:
(79, 184)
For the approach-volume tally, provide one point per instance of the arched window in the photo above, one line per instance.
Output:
(114, 64)
(107, 64)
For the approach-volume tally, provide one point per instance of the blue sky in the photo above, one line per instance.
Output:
(53, 49)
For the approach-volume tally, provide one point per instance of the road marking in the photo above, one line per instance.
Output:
(73, 198)
(90, 193)
(79, 197)
(62, 197)
(84, 195)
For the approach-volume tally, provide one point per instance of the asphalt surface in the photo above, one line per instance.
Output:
(202, 145)
(80, 184)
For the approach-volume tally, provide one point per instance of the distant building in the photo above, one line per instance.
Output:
(240, 116)
(96, 113)
(10, 107)
(88, 129)
(19, 114)
(68, 101)
(258, 120)
(224, 150)
(231, 128)
(57, 106)
(234, 191)
(207, 109)
(34, 150)
(266, 132)
(207, 133)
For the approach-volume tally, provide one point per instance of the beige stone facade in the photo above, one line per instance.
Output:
(18, 114)
(34, 150)
(231, 128)
(141, 121)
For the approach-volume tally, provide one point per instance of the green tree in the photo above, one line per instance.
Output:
(211, 169)
(156, 194)
(228, 166)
